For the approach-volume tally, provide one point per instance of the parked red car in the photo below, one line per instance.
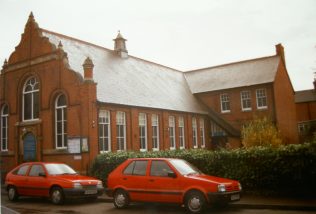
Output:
(168, 180)
(54, 180)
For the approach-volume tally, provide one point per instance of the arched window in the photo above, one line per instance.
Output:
(31, 99)
(61, 122)
(4, 127)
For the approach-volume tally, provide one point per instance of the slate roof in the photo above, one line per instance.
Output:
(305, 96)
(234, 75)
(130, 81)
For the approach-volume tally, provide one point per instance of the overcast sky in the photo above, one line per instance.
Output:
(182, 34)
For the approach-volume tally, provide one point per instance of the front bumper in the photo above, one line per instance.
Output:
(82, 193)
(224, 197)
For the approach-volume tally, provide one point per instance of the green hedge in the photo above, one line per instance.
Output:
(285, 169)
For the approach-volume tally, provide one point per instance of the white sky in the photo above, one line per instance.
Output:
(183, 34)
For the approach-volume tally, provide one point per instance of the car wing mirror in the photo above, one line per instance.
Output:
(42, 174)
(172, 175)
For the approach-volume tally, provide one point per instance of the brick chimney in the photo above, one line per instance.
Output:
(120, 46)
(88, 69)
(280, 52)
(314, 81)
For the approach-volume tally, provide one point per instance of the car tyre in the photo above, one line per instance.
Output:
(12, 193)
(57, 195)
(195, 202)
(121, 199)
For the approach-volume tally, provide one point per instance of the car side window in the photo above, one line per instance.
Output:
(159, 168)
(136, 168)
(22, 170)
(36, 170)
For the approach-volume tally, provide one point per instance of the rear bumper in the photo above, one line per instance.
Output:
(225, 197)
(81, 193)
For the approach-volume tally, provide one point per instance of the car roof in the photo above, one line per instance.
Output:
(38, 162)
(153, 159)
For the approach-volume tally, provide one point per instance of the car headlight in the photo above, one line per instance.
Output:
(221, 188)
(99, 185)
(77, 185)
(240, 187)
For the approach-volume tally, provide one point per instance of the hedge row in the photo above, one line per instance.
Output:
(283, 169)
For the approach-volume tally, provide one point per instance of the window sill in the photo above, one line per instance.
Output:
(262, 108)
(246, 110)
(7, 153)
(225, 112)
(155, 150)
(29, 122)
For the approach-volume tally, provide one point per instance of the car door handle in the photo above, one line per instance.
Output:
(151, 180)
(124, 179)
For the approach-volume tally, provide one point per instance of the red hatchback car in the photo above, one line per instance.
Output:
(54, 180)
(168, 180)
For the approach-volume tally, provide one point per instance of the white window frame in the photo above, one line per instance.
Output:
(32, 92)
(120, 121)
(4, 128)
(172, 135)
(194, 133)
(63, 121)
(181, 133)
(202, 133)
(245, 97)
(105, 123)
(261, 94)
(225, 103)
(155, 126)
(142, 124)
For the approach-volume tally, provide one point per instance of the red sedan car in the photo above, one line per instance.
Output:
(54, 180)
(168, 180)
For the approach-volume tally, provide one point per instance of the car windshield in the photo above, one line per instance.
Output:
(184, 167)
(59, 169)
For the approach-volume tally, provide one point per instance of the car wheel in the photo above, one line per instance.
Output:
(121, 199)
(195, 202)
(12, 193)
(57, 195)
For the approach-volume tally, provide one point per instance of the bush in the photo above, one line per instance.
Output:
(285, 169)
(260, 132)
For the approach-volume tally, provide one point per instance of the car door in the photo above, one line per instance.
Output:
(19, 180)
(163, 184)
(38, 183)
(134, 178)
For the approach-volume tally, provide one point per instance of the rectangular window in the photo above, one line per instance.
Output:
(194, 132)
(142, 123)
(202, 133)
(245, 100)
(217, 131)
(261, 99)
(225, 103)
(172, 133)
(155, 132)
(4, 132)
(181, 133)
(120, 131)
(104, 131)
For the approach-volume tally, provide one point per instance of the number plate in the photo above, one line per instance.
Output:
(235, 197)
(90, 192)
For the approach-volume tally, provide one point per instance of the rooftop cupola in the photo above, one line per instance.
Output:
(88, 69)
(120, 46)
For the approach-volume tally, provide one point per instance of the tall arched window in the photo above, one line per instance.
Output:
(4, 127)
(61, 122)
(31, 99)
